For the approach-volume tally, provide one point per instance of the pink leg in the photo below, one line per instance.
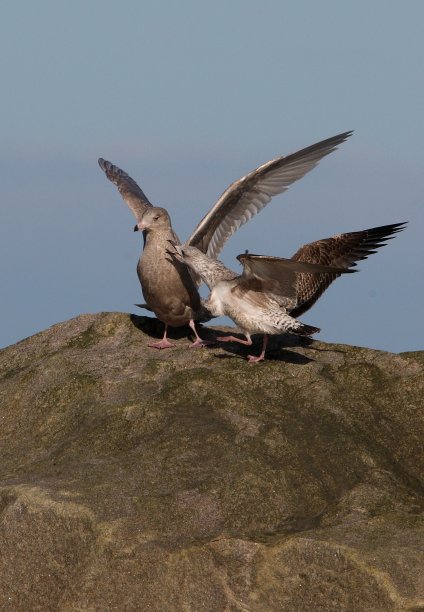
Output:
(261, 357)
(164, 343)
(198, 343)
(234, 339)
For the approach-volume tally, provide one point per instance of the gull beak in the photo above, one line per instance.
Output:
(179, 250)
(139, 227)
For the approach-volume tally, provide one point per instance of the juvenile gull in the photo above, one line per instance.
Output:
(258, 300)
(272, 291)
(168, 287)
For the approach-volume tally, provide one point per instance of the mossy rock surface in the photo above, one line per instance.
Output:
(136, 479)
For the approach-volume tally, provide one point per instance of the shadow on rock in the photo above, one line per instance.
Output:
(155, 328)
(277, 346)
(276, 350)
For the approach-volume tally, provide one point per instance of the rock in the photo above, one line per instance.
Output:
(134, 479)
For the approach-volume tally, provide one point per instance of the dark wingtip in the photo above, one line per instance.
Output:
(338, 138)
(308, 330)
(398, 226)
(247, 254)
(347, 134)
(341, 138)
(386, 232)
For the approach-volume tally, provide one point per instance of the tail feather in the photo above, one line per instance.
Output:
(302, 329)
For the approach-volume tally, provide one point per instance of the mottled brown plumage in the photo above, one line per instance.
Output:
(341, 251)
(260, 299)
(167, 284)
(272, 292)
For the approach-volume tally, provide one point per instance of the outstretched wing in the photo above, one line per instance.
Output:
(341, 251)
(127, 187)
(244, 198)
(278, 276)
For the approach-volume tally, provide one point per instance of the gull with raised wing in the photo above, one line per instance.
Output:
(168, 287)
(272, 291)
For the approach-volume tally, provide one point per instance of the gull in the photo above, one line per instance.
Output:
(271, 291)
(169, 289)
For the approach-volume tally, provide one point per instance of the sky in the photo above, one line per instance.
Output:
(187, 97)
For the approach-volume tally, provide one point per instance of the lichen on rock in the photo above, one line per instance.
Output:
(136, 479)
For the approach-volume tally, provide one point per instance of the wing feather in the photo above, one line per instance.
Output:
(342, 251)
(131, 193)
(278, 276)
(250, 194)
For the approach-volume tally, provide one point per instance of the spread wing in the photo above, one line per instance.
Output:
(341, 251)
(244, 198)
(278, 276)
(127, 187)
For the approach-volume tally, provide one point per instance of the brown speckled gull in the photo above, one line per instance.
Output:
(168, 287)
(272, 291)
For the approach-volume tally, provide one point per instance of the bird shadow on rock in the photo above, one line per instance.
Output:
(276, 351)
(277, 347)
(154, 328)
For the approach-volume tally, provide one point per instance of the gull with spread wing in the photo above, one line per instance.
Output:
(272, 291)
(168, 286)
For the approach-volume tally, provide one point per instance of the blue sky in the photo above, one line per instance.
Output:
(188, 96)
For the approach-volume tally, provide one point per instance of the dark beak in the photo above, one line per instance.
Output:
(169, 252)
(135, 228)
(178, 252)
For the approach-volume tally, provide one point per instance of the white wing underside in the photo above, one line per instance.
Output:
(244, 198)
(241, 201)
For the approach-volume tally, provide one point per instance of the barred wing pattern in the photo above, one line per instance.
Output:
(278, 276)
(342, 251)
(131, 193)
(244, 198)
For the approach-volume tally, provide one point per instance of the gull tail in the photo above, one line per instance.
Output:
(144, 306)
(301, 329)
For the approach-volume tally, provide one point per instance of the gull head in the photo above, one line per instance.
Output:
(210, 270)
(189, 255)
(153, 219)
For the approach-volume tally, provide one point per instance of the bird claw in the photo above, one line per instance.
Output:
(199, 343)
(163, 344)
(253, 359)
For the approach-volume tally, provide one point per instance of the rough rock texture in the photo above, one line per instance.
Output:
(133, 479)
